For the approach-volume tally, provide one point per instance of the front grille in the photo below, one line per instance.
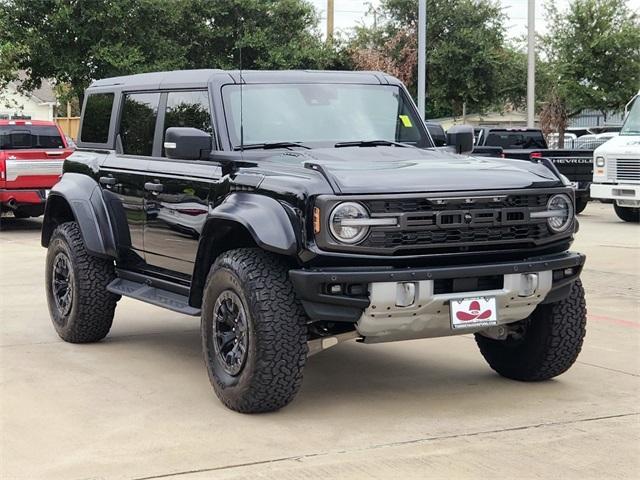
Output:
(457, 224)
(410, 205)
(417, 238)
(627, 169)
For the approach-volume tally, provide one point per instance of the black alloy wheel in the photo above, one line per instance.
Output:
(62, 283)
(230, 329)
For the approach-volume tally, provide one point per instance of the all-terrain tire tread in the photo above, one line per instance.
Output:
(280, 326)
(95, 309)
(558, 348)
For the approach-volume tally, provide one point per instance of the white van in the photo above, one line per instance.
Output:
(616, 173)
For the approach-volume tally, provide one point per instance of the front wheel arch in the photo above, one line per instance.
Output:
(243, 220)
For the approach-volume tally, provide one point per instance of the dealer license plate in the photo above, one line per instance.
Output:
(473, 312)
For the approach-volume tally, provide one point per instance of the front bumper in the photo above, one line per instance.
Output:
(367, 296)
(625, 194)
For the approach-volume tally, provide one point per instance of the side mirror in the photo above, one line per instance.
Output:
(186, 143)
(461, 138)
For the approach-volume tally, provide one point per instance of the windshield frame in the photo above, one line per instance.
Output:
(633, 110)
(234, 144)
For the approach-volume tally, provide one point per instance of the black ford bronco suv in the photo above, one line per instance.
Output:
(294, 210)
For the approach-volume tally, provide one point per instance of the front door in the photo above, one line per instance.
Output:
(177, 197)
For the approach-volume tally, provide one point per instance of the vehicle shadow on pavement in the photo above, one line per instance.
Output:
(8, 224)
(350, 374)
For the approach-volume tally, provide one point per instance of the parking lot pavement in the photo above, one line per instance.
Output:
(139, 405)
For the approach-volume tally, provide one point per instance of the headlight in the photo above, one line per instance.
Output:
(600, 162)
(560, 211)
(348, 222)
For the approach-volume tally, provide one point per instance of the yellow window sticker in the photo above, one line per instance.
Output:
(406, 121)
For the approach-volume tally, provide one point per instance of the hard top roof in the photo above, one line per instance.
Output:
(200, 78)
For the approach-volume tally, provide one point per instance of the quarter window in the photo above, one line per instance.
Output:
(97, 116)
(188, 109)
(138, 123)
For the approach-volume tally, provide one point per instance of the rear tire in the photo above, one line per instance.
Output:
(254, 334)
(80, 305)
(551, 341)
(628, 214)
(20, 215)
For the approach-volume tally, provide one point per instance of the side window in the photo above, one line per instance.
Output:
(97, 116)
(138, 123)
(188, 109)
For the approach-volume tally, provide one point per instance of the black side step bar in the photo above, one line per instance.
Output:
(153, 291)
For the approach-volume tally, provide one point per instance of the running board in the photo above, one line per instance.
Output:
(153, 295)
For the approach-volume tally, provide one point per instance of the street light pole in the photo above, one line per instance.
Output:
(422, 55)
(531, 64)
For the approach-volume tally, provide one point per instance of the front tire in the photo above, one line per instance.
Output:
(254, 334)
(581, 204)
(628, 214)
(80, 305)
(548, 344)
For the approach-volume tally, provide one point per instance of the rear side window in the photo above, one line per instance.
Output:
(15, 137)
(513, 140)
(138, 123)
(97, 116)
(188, 109)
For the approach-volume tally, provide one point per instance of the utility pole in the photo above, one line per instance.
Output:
(329, 21)
(422, 55)
(531, 63)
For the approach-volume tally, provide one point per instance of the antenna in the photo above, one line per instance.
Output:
(241, 82)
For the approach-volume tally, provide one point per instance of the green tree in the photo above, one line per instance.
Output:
(467, 61)
(594, 53)
(77, 41)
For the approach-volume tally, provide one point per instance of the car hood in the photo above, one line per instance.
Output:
(395, 169)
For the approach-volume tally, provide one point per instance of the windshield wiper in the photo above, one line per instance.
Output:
(370, 143)
(267, 146)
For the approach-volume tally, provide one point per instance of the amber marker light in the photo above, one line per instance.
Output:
(316, 220)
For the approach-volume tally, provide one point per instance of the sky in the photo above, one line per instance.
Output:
(349, 13)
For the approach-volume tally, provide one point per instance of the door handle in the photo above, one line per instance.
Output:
(107, 181)
(153, 187)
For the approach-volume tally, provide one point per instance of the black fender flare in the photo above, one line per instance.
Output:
(265, 219)
(83, 197)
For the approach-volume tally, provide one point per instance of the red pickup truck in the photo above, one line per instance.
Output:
(31, 156)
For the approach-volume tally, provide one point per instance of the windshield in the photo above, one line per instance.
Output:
(632, 122)
(321, 114)
(15, 137)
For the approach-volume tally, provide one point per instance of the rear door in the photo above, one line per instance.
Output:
(177, 203)
(123, 174)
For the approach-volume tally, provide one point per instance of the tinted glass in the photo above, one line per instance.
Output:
(138, 123)
(321, 114)
(515, 140)
(13, 137)
(437, 134)
(188, 109)
(97, 116)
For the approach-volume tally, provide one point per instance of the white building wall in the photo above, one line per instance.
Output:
(14, 103)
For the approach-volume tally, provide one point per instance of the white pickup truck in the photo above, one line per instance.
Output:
(616, 173)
